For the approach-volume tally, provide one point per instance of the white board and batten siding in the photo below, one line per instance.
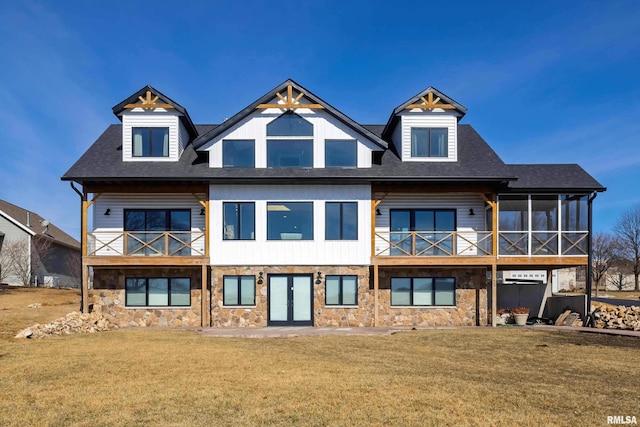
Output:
(108, 227)
(402, 134)
(461, 202)
(325, 127)
(289, 252)
(159, 118)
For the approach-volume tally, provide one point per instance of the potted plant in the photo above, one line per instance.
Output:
(520, 315)
(503, 316)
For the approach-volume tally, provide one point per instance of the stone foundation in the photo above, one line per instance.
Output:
(257, 316)
(109, 298)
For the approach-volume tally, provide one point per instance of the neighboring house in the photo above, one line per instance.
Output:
(291, 213)
(34, 251)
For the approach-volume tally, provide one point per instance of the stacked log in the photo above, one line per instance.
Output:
(72, 323)
(618, 317)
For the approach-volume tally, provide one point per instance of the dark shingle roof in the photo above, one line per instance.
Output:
(19, 214)
(103, 162)
(559, 177)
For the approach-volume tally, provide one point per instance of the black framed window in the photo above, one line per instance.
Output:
(341, 290)
(289, 153)
(238, 153)
(150, 142)
(423, 291)
(290, 221)
(429, 142)
(341, 221)
(239, 290)
(289, 124)
(146, 226)
(239, 221)
(157, 292)
(340, 153)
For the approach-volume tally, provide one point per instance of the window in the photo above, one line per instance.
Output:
(431, 228)
(239, 290)
(238, 153)
(429, 142)
(341, 221)
(341, 154)
(146, 227)
(239, 221)
(290, 221)
(341, 290)
(150, 142)
(158, 292)
(514, 213)
(289, 124)
(423, 291)
(289, 153)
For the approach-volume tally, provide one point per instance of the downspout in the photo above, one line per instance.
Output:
(82, 295)
(589, 283)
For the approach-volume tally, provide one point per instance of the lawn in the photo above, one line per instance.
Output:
(478, 376)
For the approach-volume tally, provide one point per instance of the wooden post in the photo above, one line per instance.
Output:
(494, 293)
(375, 295)
(203, 298)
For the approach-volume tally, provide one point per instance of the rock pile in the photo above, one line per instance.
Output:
(72, 323)
(618, 317)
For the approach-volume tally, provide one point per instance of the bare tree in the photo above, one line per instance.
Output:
(628, 231)
(74, 266)
(39, 254)
(18, 253)
(5, 263)
(618, 280)
(604, 250)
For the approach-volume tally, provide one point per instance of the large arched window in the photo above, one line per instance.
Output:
(289, 124)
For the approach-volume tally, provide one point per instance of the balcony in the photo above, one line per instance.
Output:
(146, 244)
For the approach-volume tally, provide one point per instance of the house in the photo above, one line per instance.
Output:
(33, 251)
(291, 213)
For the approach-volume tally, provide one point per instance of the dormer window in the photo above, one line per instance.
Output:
(429, 142)
(150, 142)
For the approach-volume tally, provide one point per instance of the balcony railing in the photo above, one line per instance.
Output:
(480, 243)
(146, 243)
(433, 243)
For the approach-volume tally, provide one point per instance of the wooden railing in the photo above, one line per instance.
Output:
(480, 243)
(146, 243)
(433, 243)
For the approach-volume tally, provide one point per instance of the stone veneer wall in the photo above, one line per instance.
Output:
(471, 299)
(109, 298)
(257, 316)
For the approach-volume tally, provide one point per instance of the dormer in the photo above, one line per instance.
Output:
(425, 128)
(290, 127)
(154, 127)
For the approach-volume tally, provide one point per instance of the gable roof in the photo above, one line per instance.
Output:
(428, 92)
(134, 98)
(250, 109)
(34, 226)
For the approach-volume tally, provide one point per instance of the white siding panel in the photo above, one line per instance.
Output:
(324, 127)
(461, 202)
(150, 119)
(268, 252)
(410, 120)
(183, 138)
(108, 227)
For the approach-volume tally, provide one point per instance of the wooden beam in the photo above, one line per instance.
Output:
(148, 103)
(433, 261)
(430, 103)
(166, 261)
(374, 206)
(541, 262)
(290, 103)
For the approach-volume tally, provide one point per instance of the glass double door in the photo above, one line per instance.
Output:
(422, 232)
(290, 300)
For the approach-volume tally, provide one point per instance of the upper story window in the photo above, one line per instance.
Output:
(341, 154)
(429, 142)
(150, 142)
(238, 153)
(289, 124)
(341, 221)
(290, 221)
(290, 149)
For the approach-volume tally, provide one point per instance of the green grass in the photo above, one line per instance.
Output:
(483, 376)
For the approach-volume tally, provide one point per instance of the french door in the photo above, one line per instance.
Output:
(290, 300)
(422, 232)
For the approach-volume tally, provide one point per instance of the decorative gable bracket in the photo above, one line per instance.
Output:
(148, 103)
(289, 102)
(430, 103)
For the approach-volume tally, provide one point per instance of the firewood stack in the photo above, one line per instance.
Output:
(618, 317)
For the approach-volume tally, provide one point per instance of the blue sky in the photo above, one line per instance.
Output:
(543, 81)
